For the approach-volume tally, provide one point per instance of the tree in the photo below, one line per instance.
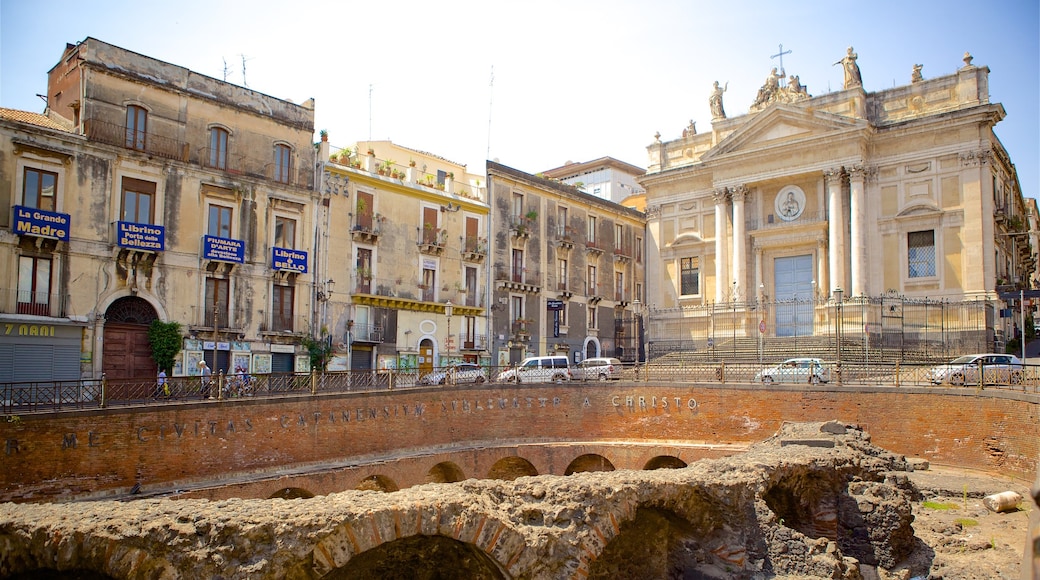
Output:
(165, 339)
(320, 350)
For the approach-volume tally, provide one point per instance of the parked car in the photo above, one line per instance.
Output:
(457, 374)
(539, 369)
(796, 370)
(600, 368)
(964, 370)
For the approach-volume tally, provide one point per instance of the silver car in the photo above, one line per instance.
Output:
(599, 368)
(964, 370)
(796, 370)
(457, 374)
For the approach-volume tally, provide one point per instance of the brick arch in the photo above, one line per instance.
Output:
(589, 462)
(494, 538)
(512, 467)
(378, 482)
(664, 462)
(445, 472)
(291, 493)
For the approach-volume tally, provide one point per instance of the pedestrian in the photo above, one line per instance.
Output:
(161, 389)
(207, 379)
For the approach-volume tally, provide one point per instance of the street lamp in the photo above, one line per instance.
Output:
(449, 371)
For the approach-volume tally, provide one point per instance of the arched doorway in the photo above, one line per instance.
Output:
(425, 356)
(126, 353)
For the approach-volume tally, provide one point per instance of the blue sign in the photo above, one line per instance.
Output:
(140, 236)
(29, 221)
(223, 249)
(288, 259)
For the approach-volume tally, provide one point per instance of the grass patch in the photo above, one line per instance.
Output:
(935, 505)
(966, 522)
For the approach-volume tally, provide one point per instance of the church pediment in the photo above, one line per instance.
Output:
(779, 125)
(918, 209)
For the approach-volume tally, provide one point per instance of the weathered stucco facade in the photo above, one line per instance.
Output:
(560, 252)
(179, 197)
(408, 230)
(905, 190)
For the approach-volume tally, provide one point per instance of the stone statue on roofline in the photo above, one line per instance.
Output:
(715, 101)
(771, 92)
(851, 69)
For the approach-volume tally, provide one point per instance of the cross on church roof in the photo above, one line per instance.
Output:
(783, 81)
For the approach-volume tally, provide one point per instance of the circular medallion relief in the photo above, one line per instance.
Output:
(790, 203)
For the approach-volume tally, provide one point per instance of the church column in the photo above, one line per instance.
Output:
(739, 194)
(835, 230)
(720, 244)
(858, 230)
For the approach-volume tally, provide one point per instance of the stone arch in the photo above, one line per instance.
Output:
(437, 556)
(664, 462)
(55, 559)
(445, 472)
(658, 543)
(806, 502)
(377, 483)
(589, 462)
(126, 353)
(291, 493)
(510, 468)
(591, 347)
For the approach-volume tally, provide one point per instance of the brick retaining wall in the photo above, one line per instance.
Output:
(64, 455)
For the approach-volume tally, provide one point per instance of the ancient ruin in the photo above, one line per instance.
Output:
(814, 500)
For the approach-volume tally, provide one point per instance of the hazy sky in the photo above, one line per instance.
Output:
(573, 80)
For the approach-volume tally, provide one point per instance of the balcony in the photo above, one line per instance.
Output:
(474, 342)
(285, 324)
(367, 227)
(564, 290)
(593, 248)
(158, 145)
(521, 328)
(432, 240)
(622, 254)
(517, 281)
(366, 333)
(621, 297)
(474, 249)
(13, 301)
(121, 136)
(520, 227)
(564, 237)
(594, 292)
(212, 319)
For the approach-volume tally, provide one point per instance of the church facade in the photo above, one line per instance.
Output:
(848, 195)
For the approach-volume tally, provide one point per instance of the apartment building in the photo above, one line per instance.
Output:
(147, 191)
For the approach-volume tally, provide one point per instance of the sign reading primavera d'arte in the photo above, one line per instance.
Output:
(223, 249)
(140, 236)
(289, 259)
(29, 221)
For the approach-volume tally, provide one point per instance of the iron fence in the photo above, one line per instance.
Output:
(24, 398)
(883, 329)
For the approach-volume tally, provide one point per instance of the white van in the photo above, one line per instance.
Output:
(539, 369)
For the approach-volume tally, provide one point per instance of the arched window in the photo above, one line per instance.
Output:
(218, 144)
(136, 127)
(282, 163)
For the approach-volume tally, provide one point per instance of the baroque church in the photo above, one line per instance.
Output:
(850, 195)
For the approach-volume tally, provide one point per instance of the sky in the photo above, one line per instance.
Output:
(536, 84)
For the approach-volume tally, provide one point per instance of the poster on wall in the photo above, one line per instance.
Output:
(191, 362)
(303, 363)
(261, 364)
(337, 362)
(240, 362)
(178, 366)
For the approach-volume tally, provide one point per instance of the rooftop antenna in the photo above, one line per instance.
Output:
(783, 74)
(370, 112)
(491, 100)
(226, 70)
(244, 59)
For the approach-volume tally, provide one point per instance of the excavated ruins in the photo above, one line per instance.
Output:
(816, 500)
